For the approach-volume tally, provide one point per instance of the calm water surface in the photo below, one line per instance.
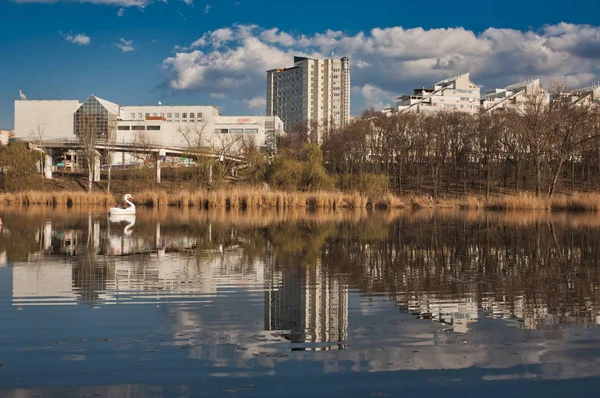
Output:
(178, 303)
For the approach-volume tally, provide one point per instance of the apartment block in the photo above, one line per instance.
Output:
(457, 93)
(515, 96)
(314, 93)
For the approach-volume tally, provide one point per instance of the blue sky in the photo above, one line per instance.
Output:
(216, 51)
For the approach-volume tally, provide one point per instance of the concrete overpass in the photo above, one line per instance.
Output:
(49, 148)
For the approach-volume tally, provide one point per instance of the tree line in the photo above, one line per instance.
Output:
(542, 143)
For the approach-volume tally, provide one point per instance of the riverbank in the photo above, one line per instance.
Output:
(242, 198)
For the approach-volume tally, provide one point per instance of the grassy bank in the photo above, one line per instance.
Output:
(243, 198)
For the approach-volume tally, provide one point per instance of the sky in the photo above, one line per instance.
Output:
(216, 52)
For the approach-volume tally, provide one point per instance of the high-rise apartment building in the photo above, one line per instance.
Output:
(312, 93)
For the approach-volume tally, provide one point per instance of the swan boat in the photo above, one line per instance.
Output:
(113, 211)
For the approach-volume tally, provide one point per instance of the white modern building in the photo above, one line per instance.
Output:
(169, 126)
(588, 95)
(515, 96)
(313, 92)
(457, 93)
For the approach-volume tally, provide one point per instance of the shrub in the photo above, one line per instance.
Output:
(19, 167)
(285, 171)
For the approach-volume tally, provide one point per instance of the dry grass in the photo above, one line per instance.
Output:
(28, 198)
(250, 198)
(238, 198)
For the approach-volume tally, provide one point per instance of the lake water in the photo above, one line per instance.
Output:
(185, 303)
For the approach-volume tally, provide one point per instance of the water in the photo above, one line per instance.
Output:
(181, 303)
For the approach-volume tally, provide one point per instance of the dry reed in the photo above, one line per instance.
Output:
(57, 198)
(248, 198)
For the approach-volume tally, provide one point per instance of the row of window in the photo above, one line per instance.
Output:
(169, 115)
(236, 131)
(218, 131)
(139, 128)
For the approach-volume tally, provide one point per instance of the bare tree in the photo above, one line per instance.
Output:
(224, 148)
(87, 133)
(197, 149)
(38, 134)
(111, 141)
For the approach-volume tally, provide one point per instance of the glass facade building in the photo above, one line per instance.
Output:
(94, 117)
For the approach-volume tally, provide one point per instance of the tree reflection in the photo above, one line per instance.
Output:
(451, 267)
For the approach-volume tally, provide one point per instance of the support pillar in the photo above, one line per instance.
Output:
(97, 167)
(159, 155)
(48, 164)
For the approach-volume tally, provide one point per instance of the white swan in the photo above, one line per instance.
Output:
(119, 210)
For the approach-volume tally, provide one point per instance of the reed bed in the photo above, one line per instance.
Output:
(251, 198)
(58, 198)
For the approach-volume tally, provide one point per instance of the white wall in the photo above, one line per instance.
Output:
(172, 134)
(50, 119)
(55, 121)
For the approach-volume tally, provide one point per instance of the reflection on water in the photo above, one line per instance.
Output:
(248, 292)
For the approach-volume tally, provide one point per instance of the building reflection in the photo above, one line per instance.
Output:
(448, 278)
(309, 304)
(457, 314)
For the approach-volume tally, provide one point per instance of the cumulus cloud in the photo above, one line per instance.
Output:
(274, 36)
(256, 103)
(125, 45)
(374, 97)
(80, 39)
(386, 62)
(207, 8)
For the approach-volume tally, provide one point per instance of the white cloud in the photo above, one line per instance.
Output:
(272, 36)
(386, 62)
(121, 11)
(119, 3)
(207, 8)
(188, 2)
(374, 96)
(256, 103)
(80, 39)
(125, 45)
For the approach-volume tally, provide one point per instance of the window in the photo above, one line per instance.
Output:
(153, 128)
(154, 114)
(184, 115)
(169, 115)
(147, 114)
(251, 131)
(177, 116)
(138, 127)
(199, 116)
(122, 127)
(237, 131)
(132, 115)
(162, 115)
(139, 115)
(191, 116)
(222, 131)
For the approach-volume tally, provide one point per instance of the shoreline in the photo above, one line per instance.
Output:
(243, 198)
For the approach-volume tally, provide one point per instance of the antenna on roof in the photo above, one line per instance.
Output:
(23, 97)
(159, 103)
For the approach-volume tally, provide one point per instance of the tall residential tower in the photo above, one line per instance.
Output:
(313, 92)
